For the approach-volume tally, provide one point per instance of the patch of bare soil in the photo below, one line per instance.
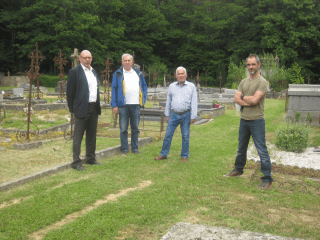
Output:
(73, 216)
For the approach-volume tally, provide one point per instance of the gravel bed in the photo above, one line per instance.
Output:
(310, 158)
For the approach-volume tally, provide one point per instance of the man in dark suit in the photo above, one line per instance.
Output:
(84, 102)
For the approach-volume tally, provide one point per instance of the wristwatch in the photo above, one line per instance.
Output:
(242, 96)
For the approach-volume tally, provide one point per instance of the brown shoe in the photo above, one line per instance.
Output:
(184, 159)
(233, 173)
(160, 158)
(265, 185)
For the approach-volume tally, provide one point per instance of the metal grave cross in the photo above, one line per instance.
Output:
(61, 61)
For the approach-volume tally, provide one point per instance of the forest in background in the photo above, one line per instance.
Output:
(201, 35)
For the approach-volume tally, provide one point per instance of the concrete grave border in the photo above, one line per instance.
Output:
(105, 153)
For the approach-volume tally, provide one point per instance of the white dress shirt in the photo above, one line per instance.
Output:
(92, 83)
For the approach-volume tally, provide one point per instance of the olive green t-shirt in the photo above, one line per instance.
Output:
(248, 87)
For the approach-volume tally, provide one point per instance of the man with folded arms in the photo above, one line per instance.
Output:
(181, 108)
(251, 95)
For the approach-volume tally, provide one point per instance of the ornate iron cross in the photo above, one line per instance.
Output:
(61, 61)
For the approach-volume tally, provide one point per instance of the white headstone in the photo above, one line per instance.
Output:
(18, 92)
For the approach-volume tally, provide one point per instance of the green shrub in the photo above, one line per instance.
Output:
(50, 81)
(292, 138)
(234, 71)
(296, 76)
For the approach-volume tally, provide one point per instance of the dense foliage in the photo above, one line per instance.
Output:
(292, 138)
(202, 35)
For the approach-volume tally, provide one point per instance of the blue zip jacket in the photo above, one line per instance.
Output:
(118, 90)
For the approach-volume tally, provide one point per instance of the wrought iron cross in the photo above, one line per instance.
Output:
(106, 72)
(61, 61)
(32, 74)
(155, 75)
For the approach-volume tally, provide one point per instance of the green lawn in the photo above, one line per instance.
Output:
(134, 197)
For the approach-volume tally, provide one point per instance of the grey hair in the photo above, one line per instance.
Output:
(185, 70)
(87, 51)
(126, 54)
(253, 55)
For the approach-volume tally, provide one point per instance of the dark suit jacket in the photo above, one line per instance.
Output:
(78, 92)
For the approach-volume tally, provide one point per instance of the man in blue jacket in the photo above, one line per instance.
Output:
(129, 93)
(84, 102)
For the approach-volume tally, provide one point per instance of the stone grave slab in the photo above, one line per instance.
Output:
(1, 97)
(26, 86)
(188, 231)
(305, 99)
(13, 98)
(18, 92)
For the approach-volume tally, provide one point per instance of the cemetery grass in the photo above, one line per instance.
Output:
(16, 164)
(42, 119)
(135, 197)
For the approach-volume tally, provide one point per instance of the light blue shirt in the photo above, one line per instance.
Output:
(182, 98)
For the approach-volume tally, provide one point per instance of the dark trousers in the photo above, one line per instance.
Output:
(88, 124)
(256, 129)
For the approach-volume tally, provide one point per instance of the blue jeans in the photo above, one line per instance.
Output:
(256, 129)
(174, 121)
(129, 112)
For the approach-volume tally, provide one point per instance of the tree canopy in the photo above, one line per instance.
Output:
(201, 35)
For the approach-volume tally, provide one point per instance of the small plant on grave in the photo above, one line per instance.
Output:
(309, 117)
(214, 102)
(292, 138)
(297, 116)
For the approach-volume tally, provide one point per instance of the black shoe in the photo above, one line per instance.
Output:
(94, 163)
(78, 167)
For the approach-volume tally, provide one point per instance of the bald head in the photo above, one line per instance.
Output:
(85, 58)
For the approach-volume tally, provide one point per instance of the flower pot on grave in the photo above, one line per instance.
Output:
(216, 106)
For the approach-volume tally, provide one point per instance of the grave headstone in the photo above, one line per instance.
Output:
(43, 89)
(303, 98)
(26, 86)
(1, 97)
(64, 87)
(18, 92)
(136, 66)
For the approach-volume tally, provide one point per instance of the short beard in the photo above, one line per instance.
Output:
(252, 73)
(182, 82)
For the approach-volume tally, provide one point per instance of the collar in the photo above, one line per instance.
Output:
(125, 71)
(85, 68)
(185, 83)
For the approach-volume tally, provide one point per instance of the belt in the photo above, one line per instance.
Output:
(181, 113)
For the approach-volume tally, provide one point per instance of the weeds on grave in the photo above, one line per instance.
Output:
(292, 137)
